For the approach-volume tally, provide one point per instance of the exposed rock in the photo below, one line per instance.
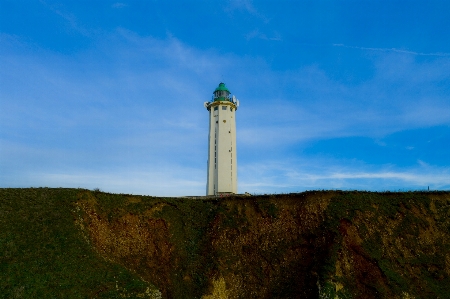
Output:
(328, 244)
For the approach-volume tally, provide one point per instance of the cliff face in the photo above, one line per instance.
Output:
(74, 243)
(327, 244)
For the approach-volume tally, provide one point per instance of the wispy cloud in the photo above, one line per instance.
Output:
(70, 18)
(248, 7)
(180, 182)
(401, 94)
(257, 34)
(302, 175)
(119, 5)
(66, 123)
(172, 72)
(106, 117)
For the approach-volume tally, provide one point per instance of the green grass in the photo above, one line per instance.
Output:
(44, 255)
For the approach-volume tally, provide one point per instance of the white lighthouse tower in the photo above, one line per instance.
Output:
(222, 158)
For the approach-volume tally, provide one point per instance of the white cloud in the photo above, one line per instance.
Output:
(119, 5)
(275, 36)
(246, 6)
(178, 182)
(402, 94)
(69, 18)
(141, 102)
(299, 175)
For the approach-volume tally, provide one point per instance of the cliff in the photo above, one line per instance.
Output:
(74, 243)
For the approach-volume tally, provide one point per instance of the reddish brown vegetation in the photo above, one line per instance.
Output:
(287, 246)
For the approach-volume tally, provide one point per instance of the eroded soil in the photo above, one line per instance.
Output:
(328, 244)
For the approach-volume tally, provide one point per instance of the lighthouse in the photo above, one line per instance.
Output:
(222, 156)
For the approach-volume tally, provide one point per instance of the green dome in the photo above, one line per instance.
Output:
(221, 87)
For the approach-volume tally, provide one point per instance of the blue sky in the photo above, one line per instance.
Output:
(333, 94)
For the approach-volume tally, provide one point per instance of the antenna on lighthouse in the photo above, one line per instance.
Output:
(205, 104)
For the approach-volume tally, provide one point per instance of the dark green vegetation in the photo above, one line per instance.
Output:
(44, 255)
(74, 243)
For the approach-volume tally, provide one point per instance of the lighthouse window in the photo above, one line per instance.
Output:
(216, 108)
(224, 107)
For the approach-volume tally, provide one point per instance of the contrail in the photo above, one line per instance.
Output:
(393, 50)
